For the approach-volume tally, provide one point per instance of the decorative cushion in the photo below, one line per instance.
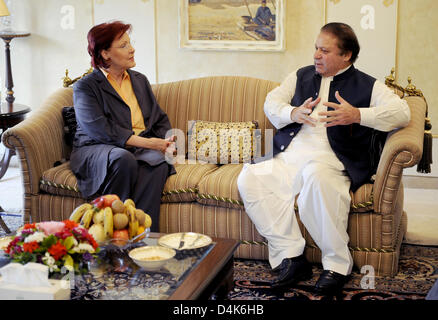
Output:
(180, 187)
(183, 186)
(61, 181)
(219, 188)
(361, 200)
(69, 116)
(222, 142)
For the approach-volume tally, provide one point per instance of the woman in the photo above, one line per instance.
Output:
(119, 146)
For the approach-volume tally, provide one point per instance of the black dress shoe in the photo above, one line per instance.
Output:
(292, 270)
(330, 283)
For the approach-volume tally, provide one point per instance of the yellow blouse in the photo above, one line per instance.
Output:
(126, 92)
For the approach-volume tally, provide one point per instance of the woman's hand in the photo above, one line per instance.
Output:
(158, 144)
(151, 143)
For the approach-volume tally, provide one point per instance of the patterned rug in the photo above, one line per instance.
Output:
(418, 271)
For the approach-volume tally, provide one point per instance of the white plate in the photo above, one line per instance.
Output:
(192, 240)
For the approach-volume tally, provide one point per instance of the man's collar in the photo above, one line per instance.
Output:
(344, 73)
(341, 74)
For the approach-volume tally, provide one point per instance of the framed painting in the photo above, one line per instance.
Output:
(249, 25)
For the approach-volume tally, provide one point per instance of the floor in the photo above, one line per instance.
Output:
(421, 205)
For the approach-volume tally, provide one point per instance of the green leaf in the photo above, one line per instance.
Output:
(69, 242)
(49, 241)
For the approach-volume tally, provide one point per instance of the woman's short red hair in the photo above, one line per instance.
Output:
(101, 36)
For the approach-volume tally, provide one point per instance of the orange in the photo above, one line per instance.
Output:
(140, 231)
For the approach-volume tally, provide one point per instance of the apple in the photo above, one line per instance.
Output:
(98, 202)
(120, 237)
(109, 199)
(105, 201)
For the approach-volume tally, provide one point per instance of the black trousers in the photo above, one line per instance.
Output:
(132, 179)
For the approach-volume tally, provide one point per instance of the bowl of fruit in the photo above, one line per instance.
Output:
(113, 221)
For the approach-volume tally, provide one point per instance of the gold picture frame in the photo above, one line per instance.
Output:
(239, 25)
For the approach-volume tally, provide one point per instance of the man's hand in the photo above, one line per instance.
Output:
(301, 114)
(343, 114)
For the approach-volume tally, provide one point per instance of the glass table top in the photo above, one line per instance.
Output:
(114, 276)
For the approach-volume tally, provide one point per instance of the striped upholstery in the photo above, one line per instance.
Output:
(206, 183)
(204, 198)
(219, 188)
(183, 186)
(60, 181)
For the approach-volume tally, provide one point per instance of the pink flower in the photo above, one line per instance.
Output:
(51, 227)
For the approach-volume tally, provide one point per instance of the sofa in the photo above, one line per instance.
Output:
(203, 197)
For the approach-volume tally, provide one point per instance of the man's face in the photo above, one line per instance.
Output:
(328, 58)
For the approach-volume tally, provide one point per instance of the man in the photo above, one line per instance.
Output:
(263, 15)
(329, 118)
(263, 18)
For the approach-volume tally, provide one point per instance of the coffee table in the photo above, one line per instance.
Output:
(191, 275)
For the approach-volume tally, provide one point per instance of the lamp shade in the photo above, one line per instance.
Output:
(3, 9)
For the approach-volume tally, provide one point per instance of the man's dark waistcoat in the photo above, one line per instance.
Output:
(357, 147)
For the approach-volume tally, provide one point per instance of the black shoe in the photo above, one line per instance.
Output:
(292, 270)
(330, 283)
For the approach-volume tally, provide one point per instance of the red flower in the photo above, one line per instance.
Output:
(30, 246)
(11, 245)
(57, 250)
(29, 226)
(63, 234)
(69, 224)
(93, 242)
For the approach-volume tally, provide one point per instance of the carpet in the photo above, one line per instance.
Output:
(418, 271)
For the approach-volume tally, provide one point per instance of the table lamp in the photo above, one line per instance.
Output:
(3, 9)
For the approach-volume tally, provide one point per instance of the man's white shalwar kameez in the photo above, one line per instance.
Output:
(310, 168)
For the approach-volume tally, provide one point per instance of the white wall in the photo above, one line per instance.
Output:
(39, 61)
(143, 28)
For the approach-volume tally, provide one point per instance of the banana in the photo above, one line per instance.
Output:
(129, 202)
(133, 222)
(77, 213)
(87, 218)
(108, 222)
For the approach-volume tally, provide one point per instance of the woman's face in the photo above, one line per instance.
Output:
(121, 53)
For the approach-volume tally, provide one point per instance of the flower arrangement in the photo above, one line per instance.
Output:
(56, 244)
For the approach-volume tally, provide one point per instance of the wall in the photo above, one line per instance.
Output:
(39, 61)
(417, 51)
(176, 64)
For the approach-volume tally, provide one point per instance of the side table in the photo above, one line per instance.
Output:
(10, 115)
